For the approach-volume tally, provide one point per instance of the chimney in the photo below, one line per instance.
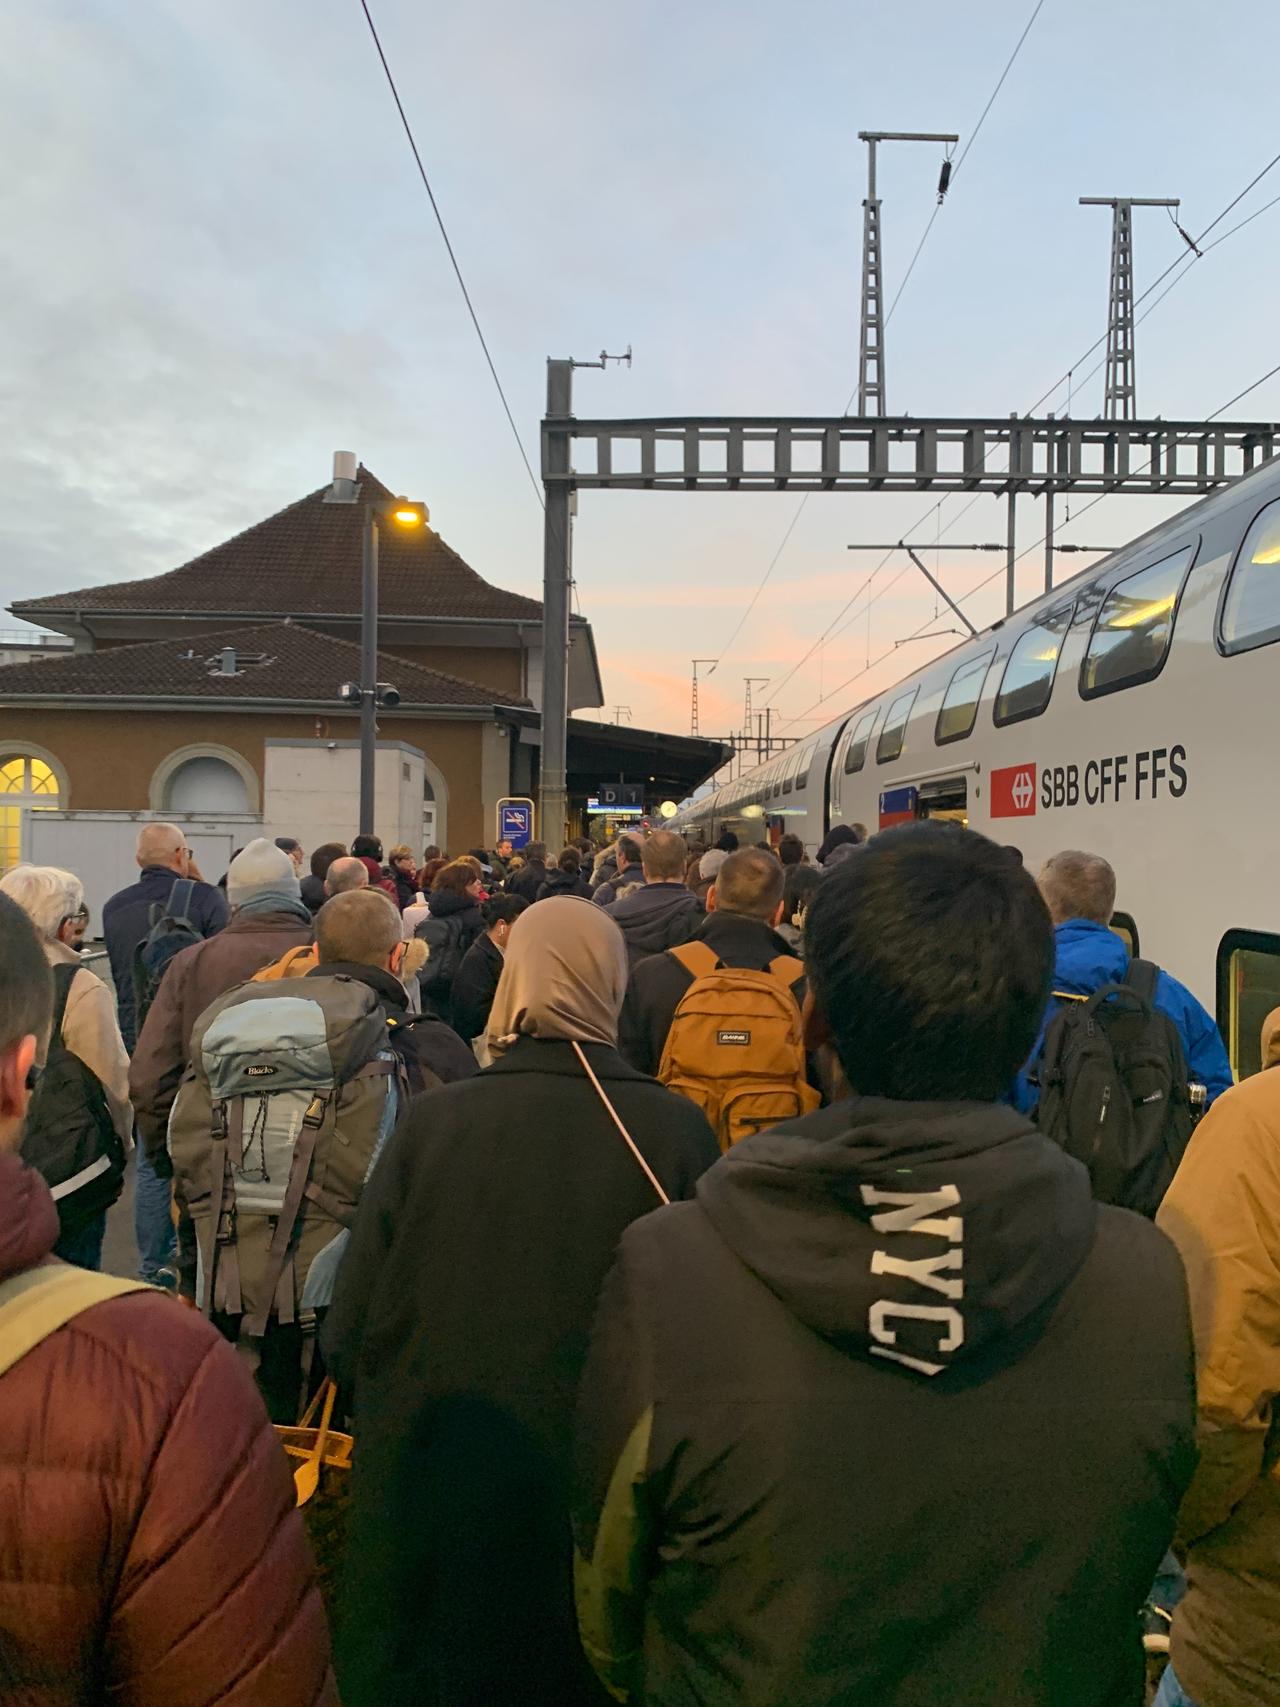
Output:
(344, 488)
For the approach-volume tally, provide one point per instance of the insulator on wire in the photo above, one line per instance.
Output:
(944, 179)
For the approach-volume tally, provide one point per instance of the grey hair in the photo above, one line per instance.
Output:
(1078, 885)
(47, 895)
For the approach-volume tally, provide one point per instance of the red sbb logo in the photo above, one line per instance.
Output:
(1013, 792)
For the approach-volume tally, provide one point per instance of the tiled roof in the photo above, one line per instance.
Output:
(294, 663)
(305, 561)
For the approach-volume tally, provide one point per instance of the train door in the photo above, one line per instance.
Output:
(943, 798)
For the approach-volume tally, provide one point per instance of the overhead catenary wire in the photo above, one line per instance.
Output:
(453, 259)
(803, 504)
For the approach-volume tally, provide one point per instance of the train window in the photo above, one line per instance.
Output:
(789, 773)
(1033, 663)
(895, 727)
(960, 702)
(1250, 614)
(1248, 990)
(856, 752)
(802, 775)
(1126, 928)
(1131, 636)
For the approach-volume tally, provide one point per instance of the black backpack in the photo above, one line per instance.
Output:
(1113, 1089)
(70, 1137)
(172, 929)
(443, 938)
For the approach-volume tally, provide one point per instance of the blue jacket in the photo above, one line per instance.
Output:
(126, 919)
(1086, 956)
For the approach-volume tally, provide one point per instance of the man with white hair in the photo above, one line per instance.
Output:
(163, 858)
(71, 1134)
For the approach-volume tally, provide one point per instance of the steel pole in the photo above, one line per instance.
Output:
(553, 774)
(1010, 557)
(368, 670)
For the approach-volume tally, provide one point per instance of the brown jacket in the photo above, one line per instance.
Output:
(150, 1551)
(1223, 1213)
(195, 978)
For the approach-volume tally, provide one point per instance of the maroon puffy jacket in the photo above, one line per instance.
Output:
(150, 1552)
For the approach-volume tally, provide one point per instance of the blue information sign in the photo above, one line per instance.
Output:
(515, 822)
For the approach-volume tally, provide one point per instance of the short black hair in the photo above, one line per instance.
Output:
(791, 849)
(324, 857)
(367, 847)
(502, 910)
(632, 847)
(287, 844)
(26, 983)
(931, 958)
(801, 881)
(727, 842)
(535, 850)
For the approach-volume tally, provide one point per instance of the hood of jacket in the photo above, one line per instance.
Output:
(445, 904)
(1086, 955)
(647, 914)
(914, 1232)
(566, 882)
(28, 1217)
(385, 985)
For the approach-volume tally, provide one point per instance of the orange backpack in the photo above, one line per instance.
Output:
(293, 963)
(735, 1046)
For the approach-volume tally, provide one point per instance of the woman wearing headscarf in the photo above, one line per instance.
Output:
(461, 1323)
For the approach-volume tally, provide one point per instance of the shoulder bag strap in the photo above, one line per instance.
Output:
(1141, 979)
(39, 1301)
(617, 1121)
(180, 897)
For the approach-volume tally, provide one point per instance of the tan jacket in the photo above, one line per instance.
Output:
(91, 1031)
(1223, 1213)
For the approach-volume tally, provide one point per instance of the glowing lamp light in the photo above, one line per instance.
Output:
(407, 516)
(668, 809)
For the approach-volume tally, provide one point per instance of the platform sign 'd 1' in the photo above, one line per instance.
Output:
(515, 822)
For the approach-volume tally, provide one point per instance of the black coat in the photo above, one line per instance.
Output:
(528, 880)
(126, 919)
(655, 917)
(906, 1420)
(461, 1322)
(657, 984)
(406, 887)
(564, 883)
(475, 986)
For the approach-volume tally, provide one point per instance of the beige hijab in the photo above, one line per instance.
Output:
(564, 976)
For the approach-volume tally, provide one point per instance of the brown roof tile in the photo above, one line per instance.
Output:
(305, 561)
(296, 663)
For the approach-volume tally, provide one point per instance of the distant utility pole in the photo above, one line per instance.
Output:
(693, 710)
(621, 711)
(1121, 403)
(871, 337)
(752, 682)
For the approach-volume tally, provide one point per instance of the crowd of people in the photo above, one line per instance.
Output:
(751, 1275)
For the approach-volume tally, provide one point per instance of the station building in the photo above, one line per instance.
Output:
(210, 695)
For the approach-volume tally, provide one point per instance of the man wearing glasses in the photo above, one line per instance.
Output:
(164, 858)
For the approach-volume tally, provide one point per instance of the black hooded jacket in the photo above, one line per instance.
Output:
(654, 917)
(893, 1415)
(564, 883)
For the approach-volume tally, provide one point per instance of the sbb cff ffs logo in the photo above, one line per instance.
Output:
(1013, 792)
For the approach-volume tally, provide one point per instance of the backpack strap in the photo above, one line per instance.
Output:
(787, 968)
(1142, 978)
(696, 958)
(39, 1301)
(63, 978)
(277, 1290)
(178, 907)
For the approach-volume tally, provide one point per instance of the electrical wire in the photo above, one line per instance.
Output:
(453, 259)
(803, 504)
(1182, 438)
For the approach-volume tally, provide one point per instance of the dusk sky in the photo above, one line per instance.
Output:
(217, 266)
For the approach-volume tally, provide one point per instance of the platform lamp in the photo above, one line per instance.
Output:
(369, 693)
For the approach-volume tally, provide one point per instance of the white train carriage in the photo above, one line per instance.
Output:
(1128, 712)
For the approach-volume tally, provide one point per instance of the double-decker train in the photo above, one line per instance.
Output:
(1129, 712)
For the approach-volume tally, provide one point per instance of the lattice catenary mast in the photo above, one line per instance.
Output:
(1121, 401)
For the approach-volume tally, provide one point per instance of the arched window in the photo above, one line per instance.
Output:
(428, 812)
(208, 786)
(27, 784)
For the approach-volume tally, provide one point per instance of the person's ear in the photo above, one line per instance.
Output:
(711, 899)
(814, 1025)
(15, 1091)
(395, 960)
(778, 911)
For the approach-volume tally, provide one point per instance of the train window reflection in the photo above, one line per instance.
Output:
(1033, 663)
(1248, 991)
(856, 754)
(895, 727)
(1130, 639)
(1251, 609)
(960, 702)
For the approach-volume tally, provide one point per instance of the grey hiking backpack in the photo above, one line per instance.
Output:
(293, 1086)
(1113, 1089)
